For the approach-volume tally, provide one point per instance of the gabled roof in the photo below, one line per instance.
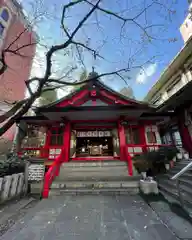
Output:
(114, 97)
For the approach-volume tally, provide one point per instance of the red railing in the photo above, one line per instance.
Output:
(129, 161)
(52, 173)
(145, 147)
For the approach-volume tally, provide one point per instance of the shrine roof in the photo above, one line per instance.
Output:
(94, 85)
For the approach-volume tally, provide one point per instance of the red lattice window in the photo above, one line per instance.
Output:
(133, 135)
(56, 138)
(151, 134)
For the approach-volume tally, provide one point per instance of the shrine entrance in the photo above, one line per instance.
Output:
(92, 144)
(95, 146)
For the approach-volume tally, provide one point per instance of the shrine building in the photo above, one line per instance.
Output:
(93, 123)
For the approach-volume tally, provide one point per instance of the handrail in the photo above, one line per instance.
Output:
(176, 177)
(51, 174)
(183, 170)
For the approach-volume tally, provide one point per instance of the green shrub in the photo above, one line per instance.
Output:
(12, 165)
(140, 163)
(154, 162)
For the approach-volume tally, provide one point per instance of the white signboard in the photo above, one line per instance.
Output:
(36, 172)
(94, 134)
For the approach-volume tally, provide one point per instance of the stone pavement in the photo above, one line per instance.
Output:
(13, 210)
(90, 217)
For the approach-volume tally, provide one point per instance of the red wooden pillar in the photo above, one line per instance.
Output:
(185, 135)
(47, 143)
(122, 141)
(124, 155)
(143, 138)
(66, 141)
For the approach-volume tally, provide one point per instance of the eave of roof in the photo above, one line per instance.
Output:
(96, 108)
(179, 100)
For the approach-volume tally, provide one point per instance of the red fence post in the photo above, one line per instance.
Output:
(124, 155)
(67, 138)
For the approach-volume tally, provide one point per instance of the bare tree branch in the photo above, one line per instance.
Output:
(48, 82)
(12, 111)
(67, 6)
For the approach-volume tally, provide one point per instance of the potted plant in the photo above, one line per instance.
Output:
(141, 165)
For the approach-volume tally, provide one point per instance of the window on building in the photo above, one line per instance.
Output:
(133, 135)
(4, 20)
(2, 28)
(5, 15)
(57, 136)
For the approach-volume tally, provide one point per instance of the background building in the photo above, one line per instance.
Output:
(14, 25)
(173, 92)
(179, 71)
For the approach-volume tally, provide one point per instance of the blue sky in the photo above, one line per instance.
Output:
(116, 50)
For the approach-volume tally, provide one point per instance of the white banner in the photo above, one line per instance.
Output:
(94, 134)
(36, 172)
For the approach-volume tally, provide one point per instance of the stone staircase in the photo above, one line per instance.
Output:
(94, 177)
(168, 187)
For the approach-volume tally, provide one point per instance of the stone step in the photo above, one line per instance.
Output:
(99, 178)
(94, 174)
(183, 162)
(95, 168)
(186, 193)
(185, 181)
(172, 184)
(94, 184)
(173, 196)
(187, 175)
(103, 191)
(93, 163)
(175, 170)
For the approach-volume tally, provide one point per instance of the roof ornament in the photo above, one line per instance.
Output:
(93, 75)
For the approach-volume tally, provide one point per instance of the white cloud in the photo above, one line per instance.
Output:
(147, 72)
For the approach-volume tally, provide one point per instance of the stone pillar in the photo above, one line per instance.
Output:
(6, 188)
(1, 184)
(20, 184)
(13, 190)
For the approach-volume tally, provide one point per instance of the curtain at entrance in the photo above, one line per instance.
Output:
(116, 150)
(73, 142)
